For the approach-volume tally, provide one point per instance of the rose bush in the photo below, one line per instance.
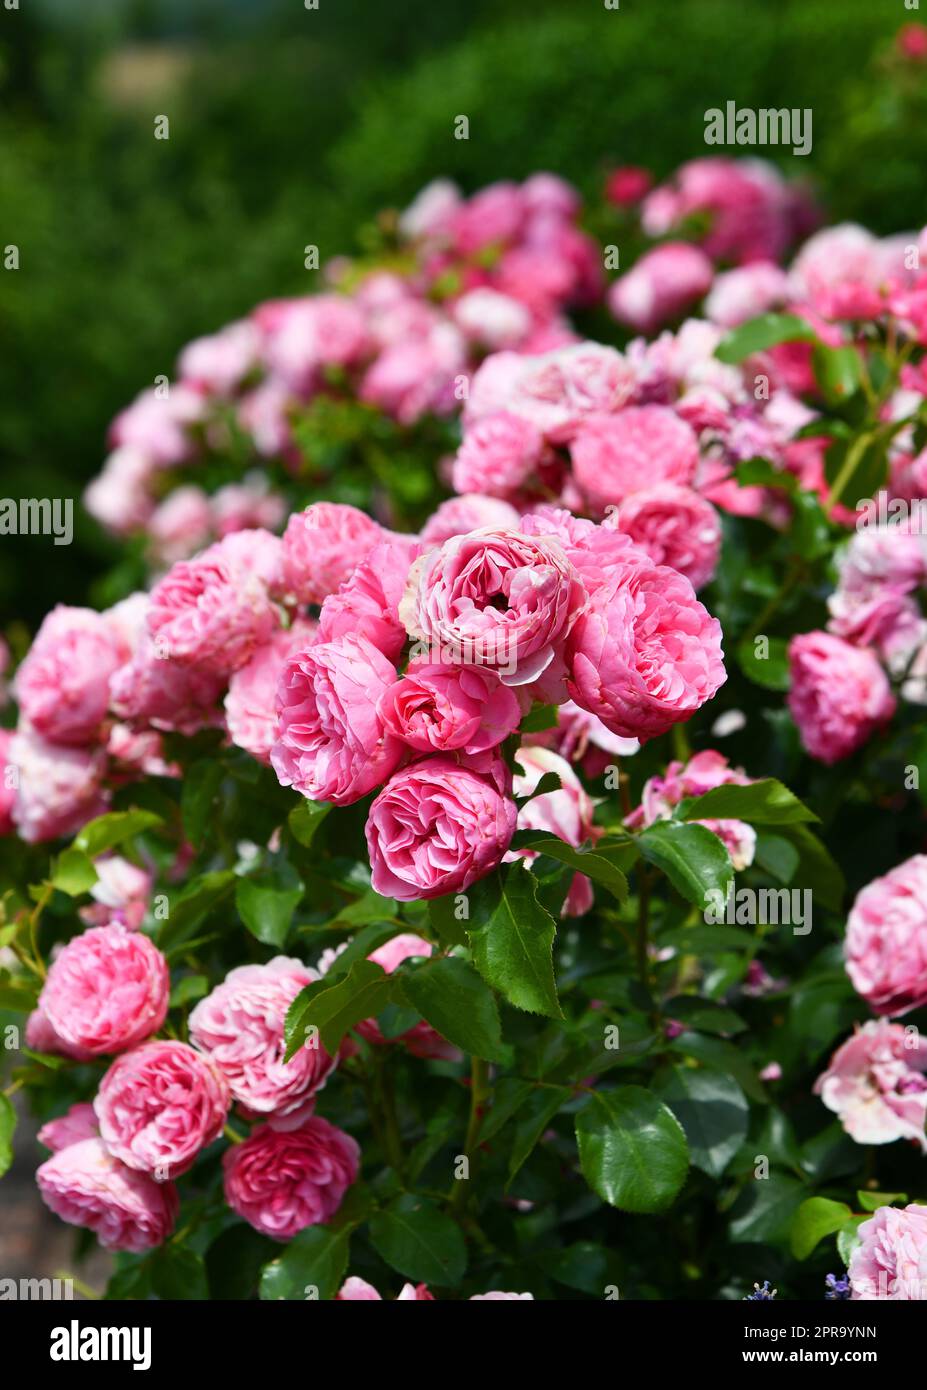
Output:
(406, 900)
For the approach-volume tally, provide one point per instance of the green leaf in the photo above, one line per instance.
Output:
(509, 1094)
(267, 900)
(766, 802)
(200, 787)
(871, 1201)
(712, 1110)
(451, 996)
(234, 1262)
(334, 1009)
(443, 916)
(188, 989)
(771, 671)
(199, 897)
(73, 873)
(359, 947)
(419, 1241)
(177, 1272)
(533, 1119)
(598, 866)
(313, 1264)
(699, 940)
(547, 782)
(22, 1000)
(815, 1219)
(692, 857)
(110, 830)
(837, 370)
(703, 1015)
(632, 1149)
(305, 819)
(722, 1056)
(7, 1126)
(513, 948)
(817, 870)
(761, 333)
(765, 1209)
(538, 719)
(848, 1238)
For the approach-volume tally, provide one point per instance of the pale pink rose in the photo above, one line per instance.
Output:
(264, 415)
(180, 525)
(471, 512)
(78, 1124)
(246, 506)
(120, 893)
(436, 708)
(744, 293)
(119, 497)
(250, 705)
(330, 742)
(771, 1072)
(63, 685)
(493, 215)
(106, 990)
(435, 828)
(416, 375)
(662, 285)
(839, 695)
(874, 1083)
(886, 939)
(675, 526)
(890, 1261)
(151, 689)
(8, 781)
(85, 1186)
(839, 273)
(367, 603)
(878, 571)
(159, 1105)
(213, 611)
(579, 734)
(494, 598)
(356, 1290)
(218, 363)
(322, 546)
(431, 211)
(41, 1037)
(58, 789)
(565, 812)
(498, 455)
(323, 330)
(497, 1296)
(156, 424)
(702, 773)
(282, 1182)
(555, 391)
(646, 655)
(421, 1040)
(239, 1026)
(495, 320)
(614, 455)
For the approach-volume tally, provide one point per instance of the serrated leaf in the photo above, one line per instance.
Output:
(513, 948)
(632, 1149)
(533, 1119)
(594, 864)
(305, 819)
(266, 902)
(334, 1009)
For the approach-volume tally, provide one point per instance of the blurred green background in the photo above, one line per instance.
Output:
(292, 126)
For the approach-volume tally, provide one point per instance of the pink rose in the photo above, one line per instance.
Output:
(874, 1083)
(566, 812)
(250, 705)
(106, 990)
(470, 512)
(156, 424)
(498, 455)
(152, 689)
(322, 546)
(556, 391)
(614, 455)
(63, 685)
(646, 655)
(8, 780)
(891, 1258)
(120, 893)
(839, 695)
(119, 496)
(282, 1182)
(627, 185)
(79, 1123)
(331, 743)
(702, 773)
(495, 320)
(41, 1037)
(498, 1296)
(356, 1290)
(745, 293)
(420, 1040)
(676, 527)
(435, 828)
(158, 1105)
(663, 284)
(58, 789)
(839, 273)
(367, 603)
(239, 1026)
(438, 709)
(217, 364)
(886, 939)
(180, 525)
(85, 1185)
(308, 334)
(494, 598)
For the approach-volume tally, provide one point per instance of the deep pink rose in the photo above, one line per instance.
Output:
(470, 512)
(331, 743)
(281, 1182)
(675, 526)
(498, 455)
(646, 655)
(63, 685)
(662, 285)
(367, 603)
(839, 695)
(435, 828)
(239, 1026)
(321, 547)
(614, 455)
(435, 708)
(627, 185)
(250, 705)
(79, 1123)
(106, 990)
(890, 1261)
(158, 1105)
(85, 1186)
(494, 598)
(421, 1040)
(886, 939)
(874, 1082)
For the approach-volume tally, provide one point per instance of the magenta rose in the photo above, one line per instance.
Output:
(498, 455)
(890, 1261)
(646, 655)
(63, 685)
(435, 828)
(331, 743)
(158, 1105)
(85, 1185)
(676, 527)
(494, 598)
(874, 1082)
(250, 705)
(438, 709)
(367, 603)
(239, 1027)
(839, 695)
(886, 939)
(106, 990)
(615, 455)
(321, 547)
(282, 1182)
